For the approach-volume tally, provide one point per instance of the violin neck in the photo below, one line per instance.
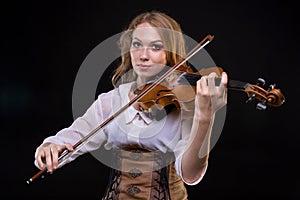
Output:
(237, 85)
(191, 79)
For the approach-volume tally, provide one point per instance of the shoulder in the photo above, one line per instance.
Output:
(113, 98)
(122, 90)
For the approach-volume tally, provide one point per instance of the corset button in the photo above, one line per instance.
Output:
(135, 172)
(132, 190)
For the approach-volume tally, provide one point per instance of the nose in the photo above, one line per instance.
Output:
(144, 56)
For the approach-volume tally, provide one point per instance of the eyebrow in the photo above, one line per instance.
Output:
(135, 38)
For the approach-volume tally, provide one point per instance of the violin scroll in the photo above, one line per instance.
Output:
(270, 97)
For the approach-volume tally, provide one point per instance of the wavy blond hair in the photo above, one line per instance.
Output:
(170, 32)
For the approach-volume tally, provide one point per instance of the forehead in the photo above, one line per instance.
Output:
(146, 32)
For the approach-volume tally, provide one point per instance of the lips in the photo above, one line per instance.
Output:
(141, 66)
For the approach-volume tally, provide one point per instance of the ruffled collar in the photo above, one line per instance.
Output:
(131, 112)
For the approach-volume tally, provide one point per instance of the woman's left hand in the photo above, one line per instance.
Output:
(211, 97)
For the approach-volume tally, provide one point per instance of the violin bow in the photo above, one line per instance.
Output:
(81, 142)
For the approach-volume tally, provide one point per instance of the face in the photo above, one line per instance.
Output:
(147, 52)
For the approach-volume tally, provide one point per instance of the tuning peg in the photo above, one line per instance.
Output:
(271, 87)
(261, 105)
(260, 82)
(251, 98)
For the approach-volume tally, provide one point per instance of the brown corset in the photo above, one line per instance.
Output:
(146, 175)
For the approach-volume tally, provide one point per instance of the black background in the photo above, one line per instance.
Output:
(44, 43)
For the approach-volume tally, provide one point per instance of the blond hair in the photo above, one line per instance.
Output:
(173, 39)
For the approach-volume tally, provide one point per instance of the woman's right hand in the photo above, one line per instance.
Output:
(48, 153)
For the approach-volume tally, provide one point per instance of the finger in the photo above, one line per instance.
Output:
(39, 159)
(54, 153)
(69, 147)
(224, 80)
(49, 159)
(211, 80)
(61, 148)
(202, 83)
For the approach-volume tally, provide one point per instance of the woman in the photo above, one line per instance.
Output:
(153, 155)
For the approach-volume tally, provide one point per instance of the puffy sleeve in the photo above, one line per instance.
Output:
(186, 124)
(82, 126)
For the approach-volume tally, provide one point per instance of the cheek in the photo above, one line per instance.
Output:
(160, 58)
(133, 56)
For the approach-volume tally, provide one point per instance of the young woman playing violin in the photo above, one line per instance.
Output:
(152, 158)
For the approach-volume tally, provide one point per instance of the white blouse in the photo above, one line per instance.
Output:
(131, 127)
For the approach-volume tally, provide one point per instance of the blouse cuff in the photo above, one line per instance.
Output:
(179, 171)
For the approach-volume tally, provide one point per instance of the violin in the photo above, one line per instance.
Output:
(165, 94)
(180, 93)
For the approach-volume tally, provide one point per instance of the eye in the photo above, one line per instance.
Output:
(157, 46)
(136, 44)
